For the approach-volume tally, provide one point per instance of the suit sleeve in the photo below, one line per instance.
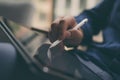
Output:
(97, 19)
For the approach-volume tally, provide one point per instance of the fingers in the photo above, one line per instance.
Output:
(70, 20)
(54, 30)
(60, 30)
(66, 24)
(52, 33)
(60, 27)
(74, 39)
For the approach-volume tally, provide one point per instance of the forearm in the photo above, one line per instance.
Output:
(97, 19)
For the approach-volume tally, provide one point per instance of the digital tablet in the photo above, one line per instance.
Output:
(34, 45)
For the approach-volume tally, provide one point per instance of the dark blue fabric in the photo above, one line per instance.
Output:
(105, 17)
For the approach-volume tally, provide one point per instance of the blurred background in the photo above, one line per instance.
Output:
(40, 13)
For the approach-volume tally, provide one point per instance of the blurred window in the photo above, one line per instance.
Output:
(42, 16)
(68, 2)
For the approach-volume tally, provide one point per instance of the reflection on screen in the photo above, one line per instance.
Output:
(31, 40)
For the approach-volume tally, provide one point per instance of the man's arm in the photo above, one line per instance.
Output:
(98, 18)
(62, 27)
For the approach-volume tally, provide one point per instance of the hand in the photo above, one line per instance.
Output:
(61, 29)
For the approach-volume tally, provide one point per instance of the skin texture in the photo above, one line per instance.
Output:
(61, 29)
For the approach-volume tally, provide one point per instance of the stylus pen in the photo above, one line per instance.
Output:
(58, 41)
(75, 28)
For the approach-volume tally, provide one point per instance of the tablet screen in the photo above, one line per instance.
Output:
(31, 40)
(35, 44)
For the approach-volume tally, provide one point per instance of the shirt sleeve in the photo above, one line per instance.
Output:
(97, 19)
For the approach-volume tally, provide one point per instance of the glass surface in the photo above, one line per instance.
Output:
(30, 39)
